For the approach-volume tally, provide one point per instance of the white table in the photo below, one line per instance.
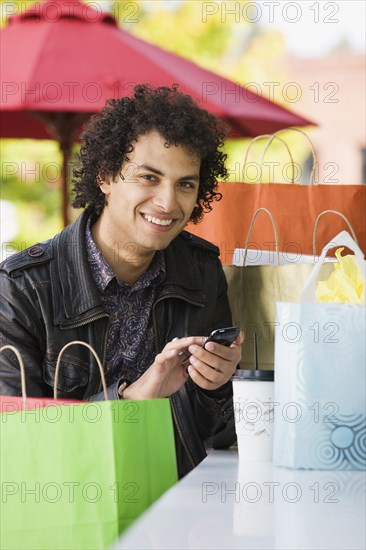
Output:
(222, 504)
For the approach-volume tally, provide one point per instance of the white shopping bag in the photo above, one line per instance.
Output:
(320, 380)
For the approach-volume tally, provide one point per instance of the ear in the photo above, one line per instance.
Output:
(104, 184)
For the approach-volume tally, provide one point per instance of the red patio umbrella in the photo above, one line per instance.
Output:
(61, 60)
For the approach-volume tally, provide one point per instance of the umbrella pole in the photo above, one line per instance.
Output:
(65, 148)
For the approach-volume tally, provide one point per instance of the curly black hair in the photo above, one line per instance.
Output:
(109, 137)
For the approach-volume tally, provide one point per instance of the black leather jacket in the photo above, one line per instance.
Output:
(49, 298)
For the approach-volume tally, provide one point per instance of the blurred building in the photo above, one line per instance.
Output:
(333, 94)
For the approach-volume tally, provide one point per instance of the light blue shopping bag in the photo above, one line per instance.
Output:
(320, 380)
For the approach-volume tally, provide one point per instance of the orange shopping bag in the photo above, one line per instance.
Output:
(295, 208)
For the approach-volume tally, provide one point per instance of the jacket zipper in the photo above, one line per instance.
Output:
(181, 435)
(83, 323)
(104, 354)
(175, 416)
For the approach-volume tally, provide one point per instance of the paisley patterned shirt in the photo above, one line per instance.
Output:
(130, 344)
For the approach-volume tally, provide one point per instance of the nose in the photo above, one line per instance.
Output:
(165, 197)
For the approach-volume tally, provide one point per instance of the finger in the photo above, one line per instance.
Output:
(239, 339)
(183, 354)
(181, 346)
(209, 372)
(225, 366)
(178, 349)
(164, 356)
(213, 354)
(201, 380)
(185, 342)
(221, 350)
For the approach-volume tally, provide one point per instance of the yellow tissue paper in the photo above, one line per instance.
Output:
(345, 284)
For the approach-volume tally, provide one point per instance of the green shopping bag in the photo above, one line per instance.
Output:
(76, 476)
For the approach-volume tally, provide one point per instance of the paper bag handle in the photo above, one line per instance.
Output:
(251, 229)
(342, 239)
(57, 370)
(331, 212)
(311, 146)
(22, 372)
(261, 165)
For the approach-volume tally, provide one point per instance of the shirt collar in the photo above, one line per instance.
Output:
(103, 273)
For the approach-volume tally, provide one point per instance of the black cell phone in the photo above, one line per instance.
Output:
(223, 336)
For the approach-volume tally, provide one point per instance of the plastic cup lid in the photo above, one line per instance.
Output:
(252, 374)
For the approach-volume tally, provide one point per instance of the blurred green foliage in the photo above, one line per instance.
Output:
(30, 174)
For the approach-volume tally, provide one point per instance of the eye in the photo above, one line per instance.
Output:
(186, 185)
(148, 177)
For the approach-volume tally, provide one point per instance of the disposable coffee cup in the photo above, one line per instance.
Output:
(254, 413)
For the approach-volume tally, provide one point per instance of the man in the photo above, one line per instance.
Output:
(127, 279)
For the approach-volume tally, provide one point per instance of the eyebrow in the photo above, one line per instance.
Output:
(159, 173)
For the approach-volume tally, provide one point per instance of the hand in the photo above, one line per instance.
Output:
(167, 374)
(212, 367)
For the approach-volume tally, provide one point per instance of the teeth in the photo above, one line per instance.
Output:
(157, 221)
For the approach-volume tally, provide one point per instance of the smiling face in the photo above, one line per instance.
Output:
(154, 200)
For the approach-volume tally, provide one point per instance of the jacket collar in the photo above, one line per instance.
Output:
(75, 295)
(183, 276)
